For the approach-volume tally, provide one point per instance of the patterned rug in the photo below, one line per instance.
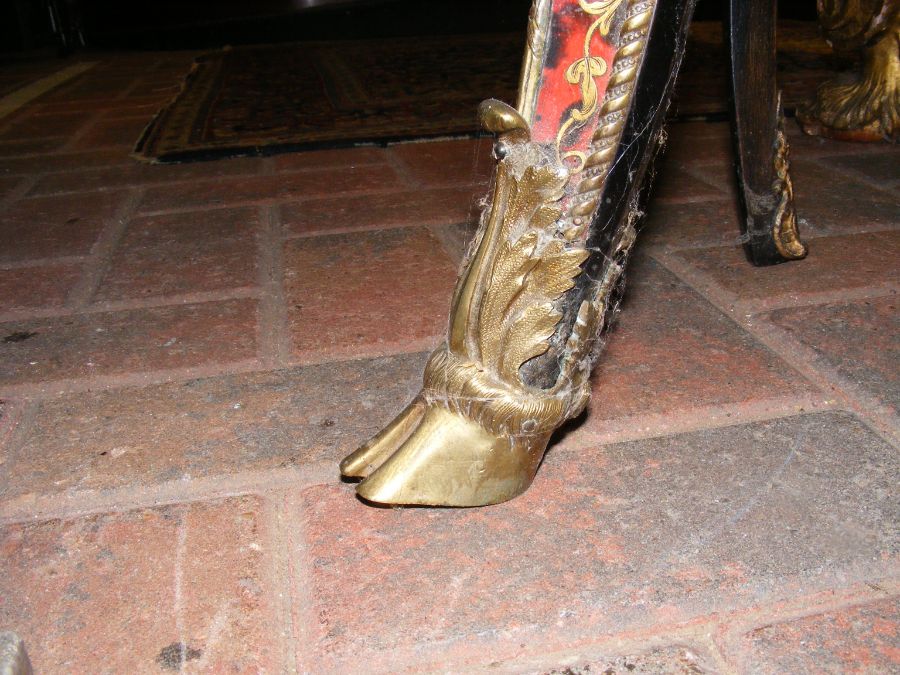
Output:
(284, 97)
(277, 98)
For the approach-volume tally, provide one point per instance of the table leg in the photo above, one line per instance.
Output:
(769, 226)
(546, 270)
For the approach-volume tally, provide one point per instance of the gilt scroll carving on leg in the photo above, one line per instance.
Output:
(546, 265)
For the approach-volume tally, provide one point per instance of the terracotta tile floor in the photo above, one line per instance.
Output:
(186, 352)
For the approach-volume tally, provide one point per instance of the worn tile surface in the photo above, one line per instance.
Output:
(38, 286)
(834, 263)
(354, 294)
(182, 587)
(183, 253)
(129, 341)
(208, 427)
(409, 207)
(688, 355)
(860, 339)
(611, 539)
(861, 639)
(462, 162)
(55, 226)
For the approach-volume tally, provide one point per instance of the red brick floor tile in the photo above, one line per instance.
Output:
(714, 222)
(28, 146)
(359, 293)
(833, 264)
(26, 125)
(671, 350)
(123, 592)
(860, 339)
(8, 184)
(129, 341)
(834, 203)
(860, 639)
(122, 132)
(320, 159)
(206, 428)
(464, 162)
(606, 541)
(55, 226)
(36, 287)
(673, 183)
(184, 253)
(68, 161)
(144, 174)
(882, 168)
(699, 144)
(816, 146)
(671, 660)
(283, 187)
(92, 86)
(422, 207)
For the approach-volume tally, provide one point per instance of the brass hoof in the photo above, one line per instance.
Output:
(449, 460)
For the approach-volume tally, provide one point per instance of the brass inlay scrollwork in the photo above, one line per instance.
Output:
(583, 73)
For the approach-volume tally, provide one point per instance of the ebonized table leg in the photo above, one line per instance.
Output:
(769, 226)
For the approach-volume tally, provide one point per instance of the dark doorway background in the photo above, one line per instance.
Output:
(196, 24)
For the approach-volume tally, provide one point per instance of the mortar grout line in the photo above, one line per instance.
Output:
(103, 306)
(280, 527)
(302, 596)
(24, 95)
(22, 188)
(274, 332)
(808, 231)
(89, 125)
(852, 174)
(434, 222)
(76, 504)
(800, 358)
(730, 629)
(266, 169)
(437, 655)
(43, 262)
(98, 262)
(18, 431)
(79, 502)
(699, 418)
(402, 170)
(50, 389)
(778, 302)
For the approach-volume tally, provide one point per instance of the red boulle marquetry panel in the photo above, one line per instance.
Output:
(574, 75)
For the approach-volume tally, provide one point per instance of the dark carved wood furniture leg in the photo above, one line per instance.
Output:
(769, 226)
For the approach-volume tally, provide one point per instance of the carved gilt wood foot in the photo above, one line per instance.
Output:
(545, 271)
(867, 106)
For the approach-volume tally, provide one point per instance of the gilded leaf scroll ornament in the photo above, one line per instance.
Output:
(584, 72)
(530, 271)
